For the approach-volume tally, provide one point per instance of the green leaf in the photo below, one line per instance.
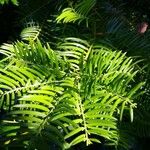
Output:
(95, 140)
(131, 113)
(28, 112)
(122, 109)
(137, 87)
(75, 131)
(79, 139)
(32, 107)
(46, 100)
(61, 115)
(98, 122)
(101, 132)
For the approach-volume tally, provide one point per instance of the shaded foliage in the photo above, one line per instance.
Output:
(72, 91)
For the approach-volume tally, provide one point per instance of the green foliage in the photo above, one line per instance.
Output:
(79, 13)
(69, 15)
(62, 95)
(61, 98)
(15, 2)
(30, 33)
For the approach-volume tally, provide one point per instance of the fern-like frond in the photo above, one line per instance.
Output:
(85, 6)
(115, 76)
(31, 32)
(15, 81)
(69, 15)
(32, 53)
(79, 13)
(80, 102)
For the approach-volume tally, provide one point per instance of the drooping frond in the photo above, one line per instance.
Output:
(85, 6)
(69, 15)
(15, 81)
(46, 32)
(64, 106)
(79, 13)
(31, 32)
(62, 94)
(32, 53)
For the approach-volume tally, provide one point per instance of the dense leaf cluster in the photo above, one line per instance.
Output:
(59, 91)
